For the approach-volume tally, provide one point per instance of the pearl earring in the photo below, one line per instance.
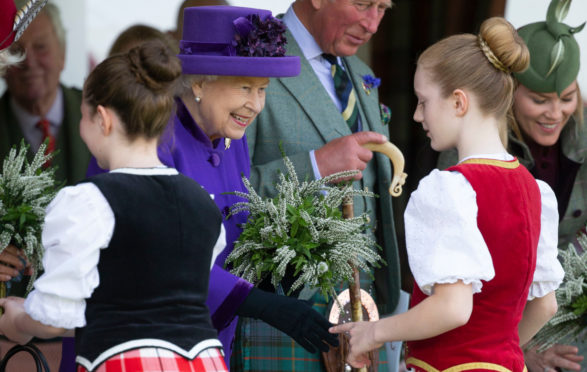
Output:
(198, 99)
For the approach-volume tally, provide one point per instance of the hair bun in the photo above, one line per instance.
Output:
(500, 40)
(154, 65)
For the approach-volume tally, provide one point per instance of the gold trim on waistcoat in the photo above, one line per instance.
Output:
(498, 163)
(460, 367)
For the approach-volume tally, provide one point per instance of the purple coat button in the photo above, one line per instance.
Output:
(214, 159)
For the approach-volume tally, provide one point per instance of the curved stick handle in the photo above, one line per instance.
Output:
(397, 159)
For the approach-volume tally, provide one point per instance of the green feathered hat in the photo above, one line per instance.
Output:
(554, 52)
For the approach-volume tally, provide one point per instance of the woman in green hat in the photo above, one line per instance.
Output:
(547, 135)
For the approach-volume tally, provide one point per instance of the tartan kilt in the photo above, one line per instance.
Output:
(260, 347)
(155, 359)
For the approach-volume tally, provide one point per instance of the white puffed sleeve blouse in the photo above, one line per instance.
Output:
(444, 243)
(79, 222)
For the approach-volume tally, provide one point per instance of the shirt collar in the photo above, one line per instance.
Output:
(185, 119)
(305, 40)
(54, 115)
(155, 171)
(503, 156)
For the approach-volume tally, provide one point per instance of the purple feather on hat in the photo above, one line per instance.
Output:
(259, 38)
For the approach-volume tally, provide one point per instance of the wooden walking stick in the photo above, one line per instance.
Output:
(357, 304)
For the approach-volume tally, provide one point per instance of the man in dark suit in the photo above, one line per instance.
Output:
(13, 22)
(40, 47)
(36, 106)
(303, 114)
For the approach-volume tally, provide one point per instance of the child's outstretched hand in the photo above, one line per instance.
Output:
(361, 341)
(13, 309)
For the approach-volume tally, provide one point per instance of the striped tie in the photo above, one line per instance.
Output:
(345, 92)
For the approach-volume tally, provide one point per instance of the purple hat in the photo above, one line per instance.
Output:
(234, 41)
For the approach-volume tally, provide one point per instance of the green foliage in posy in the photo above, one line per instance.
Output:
(302, 228)
(25, 190)
(569, 323)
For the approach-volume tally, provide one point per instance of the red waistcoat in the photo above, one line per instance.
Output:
(509, 208)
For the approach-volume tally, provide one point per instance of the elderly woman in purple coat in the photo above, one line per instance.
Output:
(228, 54)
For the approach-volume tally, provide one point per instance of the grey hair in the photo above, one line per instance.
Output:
(9, 58)
(186, 81)
(52, 11)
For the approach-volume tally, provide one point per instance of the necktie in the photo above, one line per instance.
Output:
(44, 125)
(345, 92)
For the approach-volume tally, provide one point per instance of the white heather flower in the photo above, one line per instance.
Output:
(322, 268)
(25, 191)
(568, 324)
(283, 257)
(302, 226)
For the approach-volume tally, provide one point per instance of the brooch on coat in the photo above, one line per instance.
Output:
(385, 114)
(370, 82)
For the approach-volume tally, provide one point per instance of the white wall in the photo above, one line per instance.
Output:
(92, 25)
(73, 16)
(107, 18)
(521, 12)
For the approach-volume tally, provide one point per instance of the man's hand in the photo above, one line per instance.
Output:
(346, 153)
(561, 356)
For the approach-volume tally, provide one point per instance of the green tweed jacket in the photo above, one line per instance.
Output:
(574, 147)
(300, 116)
(73, 156)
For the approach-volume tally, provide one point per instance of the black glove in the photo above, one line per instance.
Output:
(294, 317)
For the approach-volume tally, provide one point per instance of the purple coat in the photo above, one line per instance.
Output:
(219, 171)
(185, 147)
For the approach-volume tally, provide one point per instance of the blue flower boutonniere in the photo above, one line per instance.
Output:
(370, 82)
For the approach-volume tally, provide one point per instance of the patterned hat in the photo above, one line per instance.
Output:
(13, 22)
(554, 52)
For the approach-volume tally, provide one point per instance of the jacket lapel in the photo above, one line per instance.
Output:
(368, 104)
(313, 98)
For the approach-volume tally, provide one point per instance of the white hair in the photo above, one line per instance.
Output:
(186, 81)
(54, 15)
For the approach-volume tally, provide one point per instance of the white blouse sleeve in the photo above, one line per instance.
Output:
(78, 223)
(549, 271)
(443, 241)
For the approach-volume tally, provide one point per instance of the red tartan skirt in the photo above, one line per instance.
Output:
(154, 359)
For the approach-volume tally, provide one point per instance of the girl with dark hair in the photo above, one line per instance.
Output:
(128, 252)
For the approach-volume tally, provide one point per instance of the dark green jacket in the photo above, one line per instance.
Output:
(300, 115)
(73, 156)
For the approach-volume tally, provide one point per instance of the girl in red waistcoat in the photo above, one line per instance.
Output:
(473, 231)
